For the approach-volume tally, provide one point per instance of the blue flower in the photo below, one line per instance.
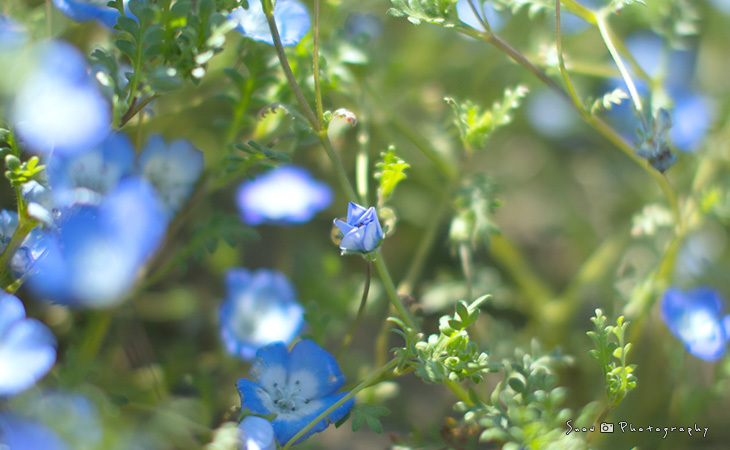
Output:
(291, 17)
(694, 317)
(18, 433)
(92, 259)
(297, 386)
(362, 232)
(85, 178)
(86, 10)
(256, 434)
(58, 108)
(260, 308)
(27, 347)
(173, 170)
(285, 195)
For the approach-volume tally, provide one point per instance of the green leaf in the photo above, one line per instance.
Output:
(127, 47)
(367, 413)
(391, 171)
(129, 25)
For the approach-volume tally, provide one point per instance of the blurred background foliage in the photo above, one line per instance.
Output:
(579, 228)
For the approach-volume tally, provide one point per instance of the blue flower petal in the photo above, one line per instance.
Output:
(693, 318)
(286, 429)
(344, 227)
(260, 308)
(11, 311)
(84, 11)
(309, 360)
(355, 213)
(27, 352)
(271, 366)
(173, 169)
(257, 433)
(58, 108)
(291, 17)
(253, 397)
(22, 434)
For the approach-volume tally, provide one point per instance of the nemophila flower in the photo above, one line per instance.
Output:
(87, 10)
(362, 28)
(85, 178)
(93, 256)
(495, 19)
(694, 317)
(291, 17)
(18, 433)
(260, 308)
(361, 232)
(285, 195)
(27, 348)
(75, 416)
(173, 169)
(297, 386)
(58, 108)
(256, 433)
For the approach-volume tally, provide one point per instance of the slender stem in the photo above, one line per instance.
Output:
(94, 336)
(370, 380)
(24, 227)
(339, 168)
(284, 62)
(561, 62)
(602, 24)
(460, 392)
(315, 61)
(49, 9)
(360, 312)
(390, 289)
(466, 267)
(601, 417)
(135, 108)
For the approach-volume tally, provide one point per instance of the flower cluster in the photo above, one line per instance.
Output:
(296, 386)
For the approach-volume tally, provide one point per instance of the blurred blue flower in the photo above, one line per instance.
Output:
(362, 232)
(27, 348)
(291, 17)
(694, 317)
(297, 386)
(85, 178)
(256, 434)
(58, 108)
(285, 195)
(550, 115)
(18, 433)
(74, 416)
(173, 170)
(86, 10)
(362, 28)
(30, 249)
(260, 308)
(13, 35)
(93, 257)
(495, 19)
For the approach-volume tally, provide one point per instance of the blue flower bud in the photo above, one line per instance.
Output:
(362, 232)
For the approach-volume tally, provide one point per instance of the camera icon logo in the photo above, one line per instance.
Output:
(606, 427)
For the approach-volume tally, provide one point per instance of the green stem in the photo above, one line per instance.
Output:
(94, 336)
(460, 392)
(24, 227)
(284, 62)
(400, 309)
(561, 62)
(606, 34)
(315, 64)
(370, 380)
(339, 168)
(601, 417)
(360, 312)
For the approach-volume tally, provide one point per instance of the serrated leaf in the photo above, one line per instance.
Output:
(127, 47)
(129, 25)
(391, 172)
(363, 413)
